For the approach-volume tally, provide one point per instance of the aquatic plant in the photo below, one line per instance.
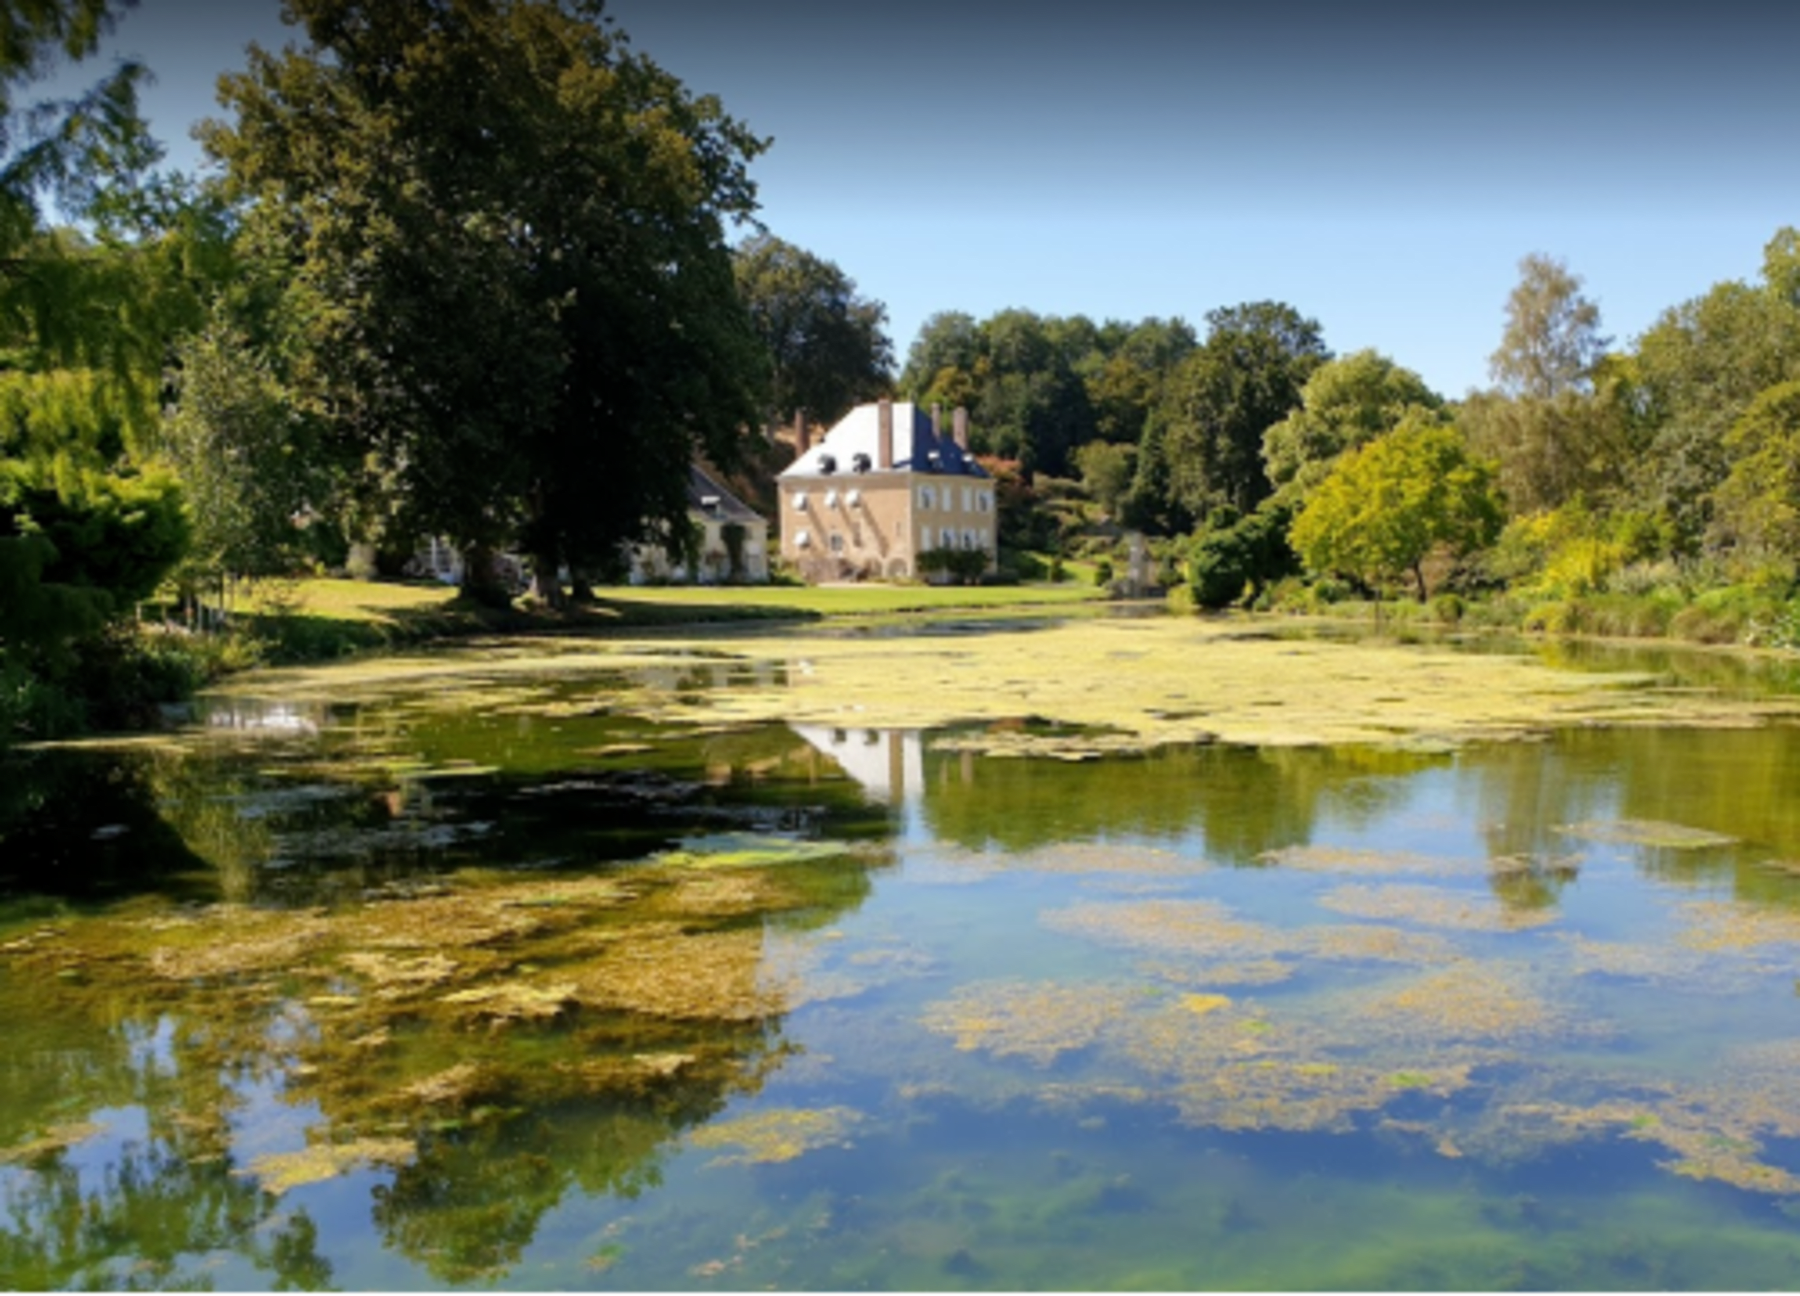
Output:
(781, 1134)
(1030, 1019)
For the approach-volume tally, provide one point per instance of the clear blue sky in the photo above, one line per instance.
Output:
(1383, 167)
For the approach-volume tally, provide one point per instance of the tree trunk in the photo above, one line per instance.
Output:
(480, 581)
(546, 589)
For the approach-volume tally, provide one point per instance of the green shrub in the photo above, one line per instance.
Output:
(1231, 558)
(1447, 608)
(966, 566)
(1556, 617)
(1784, 628)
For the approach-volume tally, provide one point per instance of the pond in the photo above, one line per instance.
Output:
(537, 978)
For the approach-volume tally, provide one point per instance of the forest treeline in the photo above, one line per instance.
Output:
(1640, 489)
(482, 271)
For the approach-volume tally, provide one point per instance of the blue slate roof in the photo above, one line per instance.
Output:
(852, 446)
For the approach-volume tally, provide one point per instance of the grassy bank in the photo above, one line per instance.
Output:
(320, 620)
(1741, 616)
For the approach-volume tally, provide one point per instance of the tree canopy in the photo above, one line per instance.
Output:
(1218, 403)
(514, 302)
(1552, 339)
(827, 344)
(1760, 498)
(1387, 506)
(88, 524)
(1346, 403)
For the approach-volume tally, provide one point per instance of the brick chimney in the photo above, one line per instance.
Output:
(937, 421)
(802, 434)
(884, 434)
(960, 422)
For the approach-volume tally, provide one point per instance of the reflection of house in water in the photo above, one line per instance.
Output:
(889, 763)
(257, 715)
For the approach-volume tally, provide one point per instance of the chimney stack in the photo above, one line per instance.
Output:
(937, 421)
(884, 443)
(802, 434)
(960, 422)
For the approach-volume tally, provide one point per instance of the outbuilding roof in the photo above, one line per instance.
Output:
(708, 498)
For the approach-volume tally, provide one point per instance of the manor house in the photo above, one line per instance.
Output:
(884, 485)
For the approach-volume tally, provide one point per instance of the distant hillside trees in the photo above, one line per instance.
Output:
(1038, 388)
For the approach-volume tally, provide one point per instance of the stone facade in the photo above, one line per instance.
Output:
(884, 486)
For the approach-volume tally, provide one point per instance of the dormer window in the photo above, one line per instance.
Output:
(827, 464)
(859, 462)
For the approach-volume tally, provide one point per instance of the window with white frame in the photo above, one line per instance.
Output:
(837, 542)
(927, 497)
(946, 538)
(802, 538)
(799, 499)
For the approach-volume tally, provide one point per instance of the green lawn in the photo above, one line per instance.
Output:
(852, 600)
(348, 600)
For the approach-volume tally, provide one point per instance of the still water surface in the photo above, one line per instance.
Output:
(504, 987)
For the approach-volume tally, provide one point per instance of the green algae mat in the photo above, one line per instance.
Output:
(1136, 954)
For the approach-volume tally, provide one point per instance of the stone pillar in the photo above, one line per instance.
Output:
(959, 421)
(884, 434)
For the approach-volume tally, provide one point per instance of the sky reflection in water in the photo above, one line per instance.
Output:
(432, 992)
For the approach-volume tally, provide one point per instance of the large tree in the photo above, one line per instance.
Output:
(514, 301)
(827, 343)
(1698, 369)
(1552, 339)
(1246, 377)
(1386, 507)
(1545, 425)
(87, 524)
(1346, 403)
(1759, 501)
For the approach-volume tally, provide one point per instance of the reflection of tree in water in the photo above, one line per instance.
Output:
(1734, 783)
(1244, 801)
(155, 1210)
(165, 1199)
(470, 1203)
(84, 825)
(522, 1036)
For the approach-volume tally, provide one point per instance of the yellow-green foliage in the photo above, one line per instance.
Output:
(1387, 505)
